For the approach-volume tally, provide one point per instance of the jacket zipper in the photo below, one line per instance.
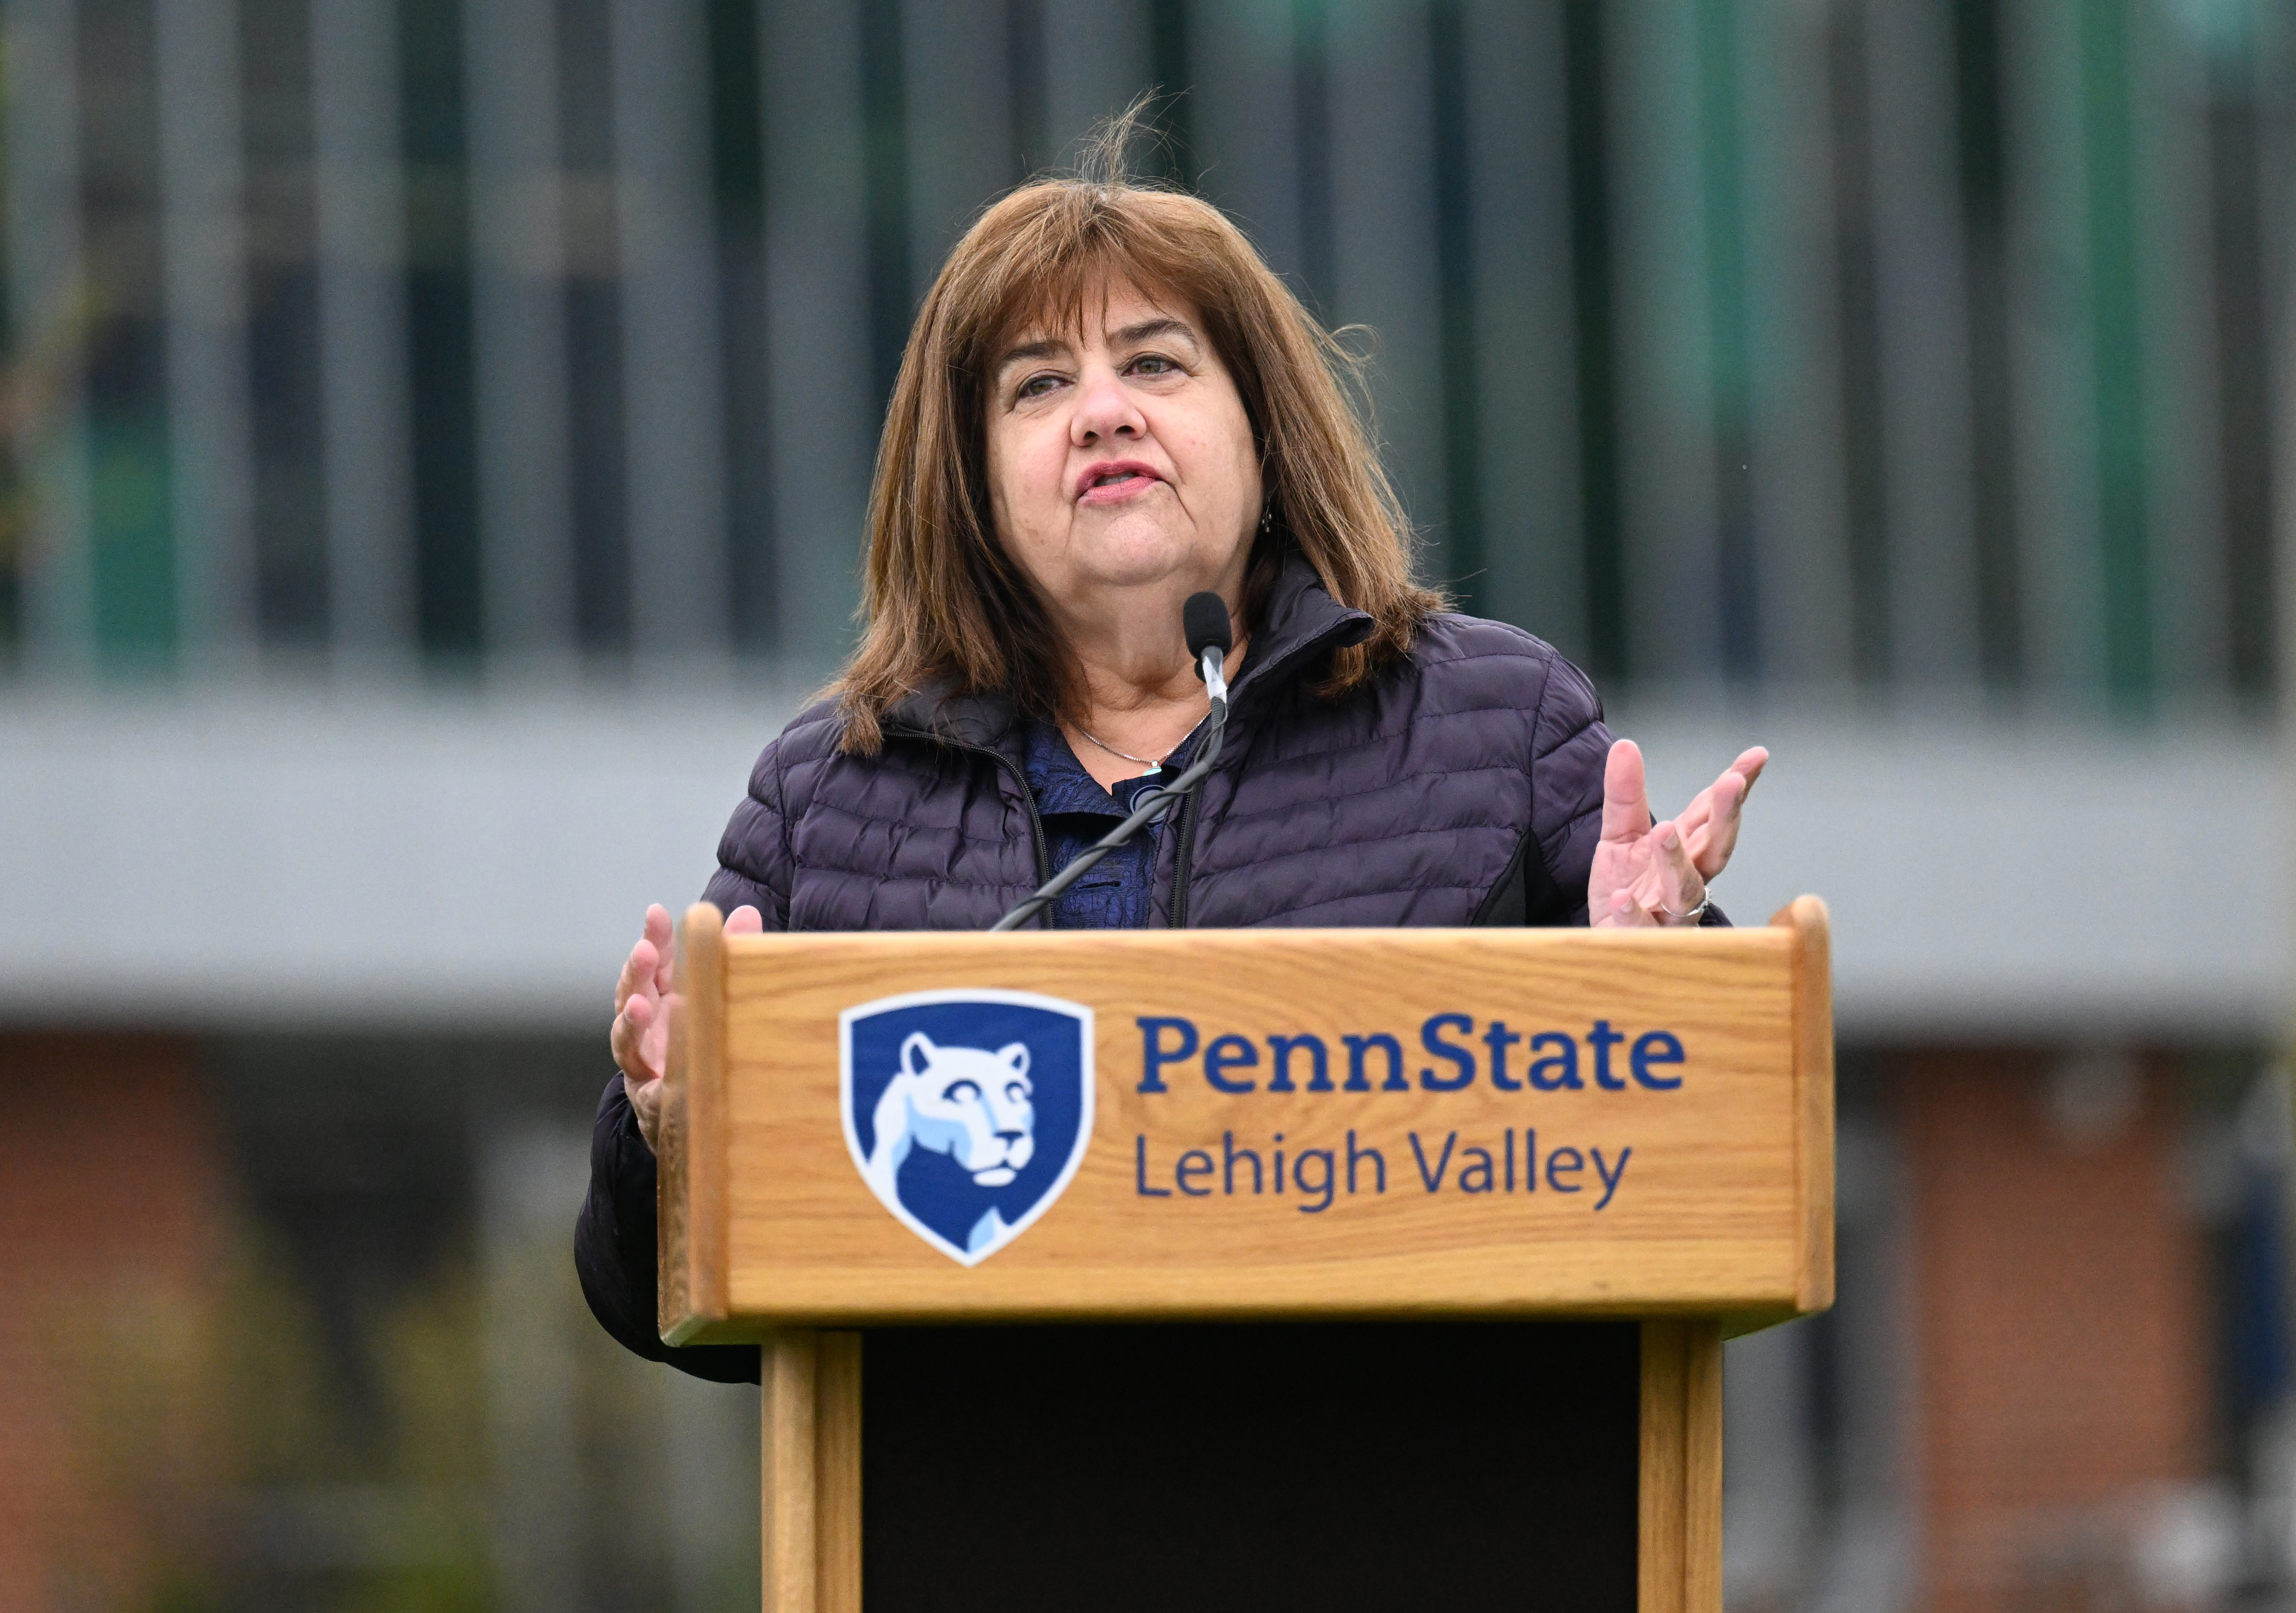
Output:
(1036, 819)
(1044, 856)
(1182, 856)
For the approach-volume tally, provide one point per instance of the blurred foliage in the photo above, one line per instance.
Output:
(232, 1470)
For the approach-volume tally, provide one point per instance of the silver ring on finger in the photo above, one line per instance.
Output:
(1697, 915)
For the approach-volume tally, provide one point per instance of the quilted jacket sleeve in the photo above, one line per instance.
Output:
(614, 1248)
(753, 856)
(1568, 747)
(614, 1236)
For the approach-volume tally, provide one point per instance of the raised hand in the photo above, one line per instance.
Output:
(1647, 873)
(642, 999)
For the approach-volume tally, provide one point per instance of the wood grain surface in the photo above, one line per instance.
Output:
(1679, 1564)
(691, 1226)
(1807, 921)
(788, 1371)
(837, 1473)
(1724, 1205)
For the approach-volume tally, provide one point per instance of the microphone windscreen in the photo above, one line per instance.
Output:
(1204, 619)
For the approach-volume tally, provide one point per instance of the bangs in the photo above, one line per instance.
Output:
(1061, 302)
(1064, 262)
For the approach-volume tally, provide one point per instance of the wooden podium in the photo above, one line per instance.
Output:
(1608, 1151)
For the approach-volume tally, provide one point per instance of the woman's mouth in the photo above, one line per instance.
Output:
(1114, 484)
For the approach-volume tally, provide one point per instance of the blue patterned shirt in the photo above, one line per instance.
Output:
(1076, 812)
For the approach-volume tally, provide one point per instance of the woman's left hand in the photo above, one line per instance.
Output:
(1649, 873)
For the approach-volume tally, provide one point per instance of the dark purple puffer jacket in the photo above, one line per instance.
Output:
(1462, 786)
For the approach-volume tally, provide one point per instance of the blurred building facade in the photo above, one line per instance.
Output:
(437, 434)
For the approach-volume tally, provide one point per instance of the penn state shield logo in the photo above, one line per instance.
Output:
(967, 1112)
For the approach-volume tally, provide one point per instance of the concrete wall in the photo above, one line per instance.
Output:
(252, 858)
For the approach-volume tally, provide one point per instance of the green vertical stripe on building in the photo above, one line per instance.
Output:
(1311, 112)
(884, 114)
(2116, 338)
(1587, 115)
(1464, 552)
(1722, 216)
(1722, 203)
(737, 167)
(1171, 68)
(15, 484)
(131, 543)
(441, 338)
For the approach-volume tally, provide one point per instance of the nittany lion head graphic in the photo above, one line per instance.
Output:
(967, 1112)
(970, 1105)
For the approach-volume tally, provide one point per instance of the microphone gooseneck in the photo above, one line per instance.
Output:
(1210, 636)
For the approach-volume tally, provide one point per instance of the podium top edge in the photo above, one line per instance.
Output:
(1752, 936)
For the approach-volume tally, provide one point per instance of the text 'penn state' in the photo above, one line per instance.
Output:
(1312, 1177)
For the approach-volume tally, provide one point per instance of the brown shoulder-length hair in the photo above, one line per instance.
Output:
(944, 605)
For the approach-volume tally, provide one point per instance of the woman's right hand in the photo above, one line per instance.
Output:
(642, 1001)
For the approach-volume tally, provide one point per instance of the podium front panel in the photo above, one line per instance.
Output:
(1247, 1124)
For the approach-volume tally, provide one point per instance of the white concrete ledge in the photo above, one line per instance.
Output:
(247, 860)
(1991, 881)
(270, 860)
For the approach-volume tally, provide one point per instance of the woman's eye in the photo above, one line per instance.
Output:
(1038, 386)
(1154, 364)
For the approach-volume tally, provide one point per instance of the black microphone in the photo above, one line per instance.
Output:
(1210, 636)
(1204, 619)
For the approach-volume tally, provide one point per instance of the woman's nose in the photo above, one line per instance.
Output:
(1105, 409)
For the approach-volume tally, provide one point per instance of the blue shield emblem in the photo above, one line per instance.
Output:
(967, 1112)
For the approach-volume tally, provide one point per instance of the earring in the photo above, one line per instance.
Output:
(1266, 520)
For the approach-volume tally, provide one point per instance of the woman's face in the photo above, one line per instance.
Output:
(1120, 458)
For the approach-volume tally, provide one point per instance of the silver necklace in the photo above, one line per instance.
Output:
(1154, 765)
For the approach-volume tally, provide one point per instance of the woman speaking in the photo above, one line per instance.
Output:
(1109, 404)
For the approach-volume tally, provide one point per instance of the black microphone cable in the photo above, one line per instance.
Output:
(1210, 637)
